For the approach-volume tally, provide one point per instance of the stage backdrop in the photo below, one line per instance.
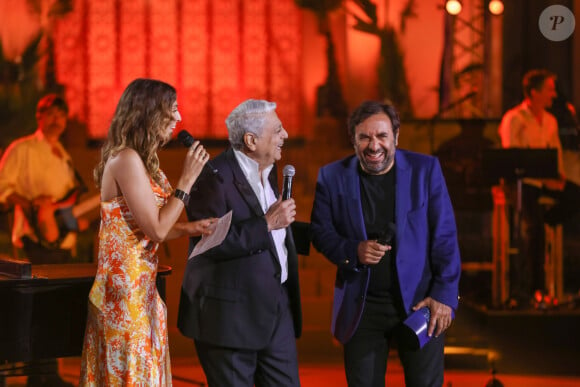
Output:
(215, 52)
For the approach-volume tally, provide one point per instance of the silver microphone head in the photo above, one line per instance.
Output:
(289, 170)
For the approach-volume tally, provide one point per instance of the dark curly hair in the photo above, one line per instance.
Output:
(370, 108)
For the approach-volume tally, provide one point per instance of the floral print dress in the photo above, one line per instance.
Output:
(126, 340)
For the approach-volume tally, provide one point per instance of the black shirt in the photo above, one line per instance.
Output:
(378, 205)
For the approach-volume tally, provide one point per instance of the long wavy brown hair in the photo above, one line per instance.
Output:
(143, 112)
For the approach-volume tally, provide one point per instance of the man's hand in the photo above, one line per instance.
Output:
(83, 223)
(371, 252)
(440, 316)
(281, 214)
(47, 224)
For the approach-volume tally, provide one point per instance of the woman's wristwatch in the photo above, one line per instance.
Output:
(181, 195)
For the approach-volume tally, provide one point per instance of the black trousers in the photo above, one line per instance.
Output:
(366, 353)
(527, 265)
(272, 366)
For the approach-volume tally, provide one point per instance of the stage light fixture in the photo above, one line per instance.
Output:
(453, 7)
(495, 7)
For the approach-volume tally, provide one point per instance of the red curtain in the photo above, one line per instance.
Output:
(217, 53)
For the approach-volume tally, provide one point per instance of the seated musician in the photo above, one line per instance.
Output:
(530, 125)
(38, 180)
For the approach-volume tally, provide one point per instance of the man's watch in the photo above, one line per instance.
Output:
(181, 195)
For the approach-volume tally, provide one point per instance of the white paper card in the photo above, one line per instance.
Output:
(212, 240)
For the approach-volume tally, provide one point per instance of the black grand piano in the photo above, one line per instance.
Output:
(43, 311)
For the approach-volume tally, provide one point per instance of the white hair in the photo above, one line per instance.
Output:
(247, 117)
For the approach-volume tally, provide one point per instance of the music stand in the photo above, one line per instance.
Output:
(515, 164)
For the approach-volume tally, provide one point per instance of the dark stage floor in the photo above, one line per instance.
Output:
(526, 348)
(187, 372)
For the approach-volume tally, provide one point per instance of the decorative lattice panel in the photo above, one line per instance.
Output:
(215, 52)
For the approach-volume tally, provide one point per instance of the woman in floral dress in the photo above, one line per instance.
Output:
(126, 335)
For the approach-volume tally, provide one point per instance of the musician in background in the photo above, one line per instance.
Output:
(37, 178)
(530, 125)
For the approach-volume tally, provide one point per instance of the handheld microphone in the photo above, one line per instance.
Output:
(187, 140)
(386, 237)
(288, 173)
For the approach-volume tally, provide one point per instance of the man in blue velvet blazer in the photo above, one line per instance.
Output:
(240, 301)
(385, 219)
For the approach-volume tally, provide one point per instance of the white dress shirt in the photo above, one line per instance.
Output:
(30, 168)
(261, 187)
(519, 128)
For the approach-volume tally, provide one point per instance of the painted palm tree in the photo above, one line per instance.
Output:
(330, 99)
(392, 77)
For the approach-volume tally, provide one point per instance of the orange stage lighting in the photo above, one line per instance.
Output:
(495, 7)
(453, 7)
